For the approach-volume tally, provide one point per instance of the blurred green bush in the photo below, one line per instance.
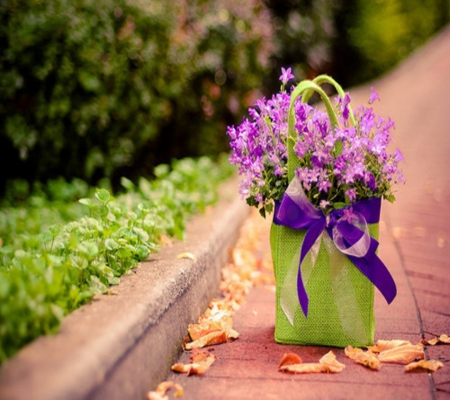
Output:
(374, 36)
(352, 40)
(102, 88)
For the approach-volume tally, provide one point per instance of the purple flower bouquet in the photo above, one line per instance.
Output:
(323, 174)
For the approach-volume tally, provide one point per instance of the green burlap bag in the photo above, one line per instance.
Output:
(340, 312)
(341, 298)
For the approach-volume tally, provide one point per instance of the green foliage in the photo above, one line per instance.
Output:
(383, 32)
(97, 88)
(56, 255)
(351, 40)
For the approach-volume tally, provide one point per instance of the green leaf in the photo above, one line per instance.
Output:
(113, 280)
(46, 237)
(339, 205)
(103, 195)
(262, 212)
(391, 198)
(142, 252)
(96, 286)
(161, 171)
(55, 230)
(89, 249)
(127, 184)
(141, 235)
(111, 244)
(86, 202)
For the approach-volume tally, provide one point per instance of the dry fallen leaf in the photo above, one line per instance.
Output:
(202, 357)
(366, 358)
(443, 339)
(214, 327)
(403, 354)
(328, 363)
(200, 362)
(187, 255)
(208, 340)
(383, 345)
(219, 322)
(306, 368)
(428, 365)
(189, 369)
(289, 359)
(163, 388)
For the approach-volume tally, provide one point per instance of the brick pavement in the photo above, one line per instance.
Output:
(415, 243)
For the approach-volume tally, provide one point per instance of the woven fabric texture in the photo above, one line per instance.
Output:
(327, 323)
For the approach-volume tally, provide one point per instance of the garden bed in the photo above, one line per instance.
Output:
(122, 344)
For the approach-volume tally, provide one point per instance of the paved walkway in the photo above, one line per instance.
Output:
(415, 245)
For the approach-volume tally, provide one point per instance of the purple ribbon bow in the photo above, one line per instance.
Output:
(348, 230)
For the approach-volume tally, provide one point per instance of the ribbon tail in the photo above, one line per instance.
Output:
(311, 237)
(377, 273)
(288, 293)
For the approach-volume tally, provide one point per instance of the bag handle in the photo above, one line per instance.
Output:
(306, 89)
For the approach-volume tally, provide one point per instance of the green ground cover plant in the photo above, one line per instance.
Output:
(57, 254)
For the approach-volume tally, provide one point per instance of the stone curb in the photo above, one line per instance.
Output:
(121, 345)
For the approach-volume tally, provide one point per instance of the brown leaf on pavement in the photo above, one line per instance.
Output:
(327, 363)
(366, 358)
(209, 339)
(330, 362)
(443, 339)
(189, 369)
(188, 255)
(426, 365)
(306, 368)
(383, 345)
(289, 359)
(200, 362)
(221, 321)
(163, 388)
(214, 327)
(202, 357)
(403, 354)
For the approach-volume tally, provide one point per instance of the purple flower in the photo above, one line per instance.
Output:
(259, 198)
(324, 185)
(343, 164)
(324, 204)
(286, 75)
(398, 156)
(351, 194)
(348, 214)
(373, 96)
(370, 181)
(343, 105)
